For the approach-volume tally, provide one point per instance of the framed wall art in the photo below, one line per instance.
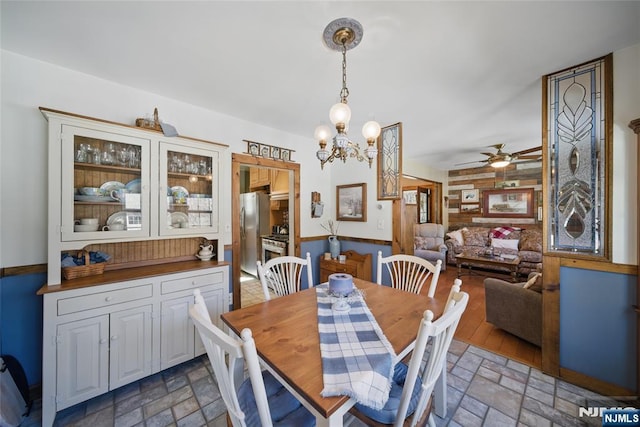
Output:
(508, 203)
(351, 202)
(410, 197)
(390, 162)
(470, 196)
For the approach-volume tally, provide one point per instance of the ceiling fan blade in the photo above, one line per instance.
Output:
(528, 150)
(489, 154)
(467, 163)
(531, 157)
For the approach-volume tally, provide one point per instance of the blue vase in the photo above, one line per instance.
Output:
(334, 246)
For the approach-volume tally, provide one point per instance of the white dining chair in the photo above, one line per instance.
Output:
(284, 275)
(260, 400)
(412, 386)
(409, 272)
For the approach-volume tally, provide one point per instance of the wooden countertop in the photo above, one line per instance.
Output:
(124, 274)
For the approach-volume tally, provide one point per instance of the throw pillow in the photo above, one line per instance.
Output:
(534, 283)
(504, 233)
(531, 240)
(475, 236)
(505, 243)
(457, 236)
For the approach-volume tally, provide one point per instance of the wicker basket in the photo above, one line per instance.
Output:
(87, 269)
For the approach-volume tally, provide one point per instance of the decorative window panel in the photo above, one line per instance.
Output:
(577, 126)
(390, 162)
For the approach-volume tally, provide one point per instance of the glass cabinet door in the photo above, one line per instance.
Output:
(188, 189)
(105, 193)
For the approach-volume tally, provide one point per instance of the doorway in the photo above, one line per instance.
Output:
(406, 212)
(239, 165)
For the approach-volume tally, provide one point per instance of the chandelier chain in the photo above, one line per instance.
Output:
(344, 93)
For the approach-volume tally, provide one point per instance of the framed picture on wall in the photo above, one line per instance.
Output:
(470, 196)
(351, 202)
(410, 197)
(508, 203)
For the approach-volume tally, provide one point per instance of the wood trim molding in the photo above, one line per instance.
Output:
(237, 160)
(347, 239)
(50, 110)
(22, 270)
(599, 266)
(594, 384)
(551, 315)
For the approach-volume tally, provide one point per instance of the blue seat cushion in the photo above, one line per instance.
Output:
(286, 410)
(387, 415)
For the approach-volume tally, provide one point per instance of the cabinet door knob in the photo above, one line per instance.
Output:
(114, 337)
(107, 299)
(103, 341)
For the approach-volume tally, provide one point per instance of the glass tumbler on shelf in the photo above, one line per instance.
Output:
(134, 157)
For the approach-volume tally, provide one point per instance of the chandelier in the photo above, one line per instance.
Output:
(343, 34)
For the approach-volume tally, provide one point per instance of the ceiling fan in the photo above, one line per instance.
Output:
(500, 159)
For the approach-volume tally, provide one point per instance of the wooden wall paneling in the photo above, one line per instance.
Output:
(551, 315)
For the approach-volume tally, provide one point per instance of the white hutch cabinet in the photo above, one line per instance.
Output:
(104, 331)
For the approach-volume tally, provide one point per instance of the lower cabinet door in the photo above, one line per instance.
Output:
(176, 332)
(215, 301)
(130, 346)
(82, 360)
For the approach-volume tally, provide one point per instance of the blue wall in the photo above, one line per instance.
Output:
(318, 247)
(21, 322)
(598, 325)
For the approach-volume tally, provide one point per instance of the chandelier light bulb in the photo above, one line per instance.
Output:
(322, 133)
(340, 113)
(371, 130)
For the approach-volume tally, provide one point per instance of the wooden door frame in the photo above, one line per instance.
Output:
(238, 160)
(397, 219)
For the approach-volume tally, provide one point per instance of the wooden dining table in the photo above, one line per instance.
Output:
(285, 331)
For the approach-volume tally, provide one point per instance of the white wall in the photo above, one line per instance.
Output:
(626, 107)
(27, 84)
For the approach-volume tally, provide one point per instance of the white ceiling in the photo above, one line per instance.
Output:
(461, 76)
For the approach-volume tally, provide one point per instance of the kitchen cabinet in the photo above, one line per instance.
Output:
(110, 182)
(132, 190)
(100, 337)
(357, 265)
(259, 177)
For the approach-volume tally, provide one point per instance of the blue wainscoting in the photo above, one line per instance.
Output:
(598, 325)
(318, 247)
(21, 322)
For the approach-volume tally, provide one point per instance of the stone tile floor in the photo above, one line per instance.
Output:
(484, 389)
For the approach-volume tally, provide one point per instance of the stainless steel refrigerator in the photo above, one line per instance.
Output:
(254, 223)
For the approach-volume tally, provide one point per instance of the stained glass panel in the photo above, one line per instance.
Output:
(389, 162)
(577, 141)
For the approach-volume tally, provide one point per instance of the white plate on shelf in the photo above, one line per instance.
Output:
(109, 186)
(134, 186)
(175, 219)
(118, 218)
(92, 199)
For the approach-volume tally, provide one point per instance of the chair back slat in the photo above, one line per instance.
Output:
(409, 273)
(284, 275)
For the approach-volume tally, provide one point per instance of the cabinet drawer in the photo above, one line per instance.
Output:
(191, 282)
(103, 299)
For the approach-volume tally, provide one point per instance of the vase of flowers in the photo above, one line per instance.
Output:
(334, 243)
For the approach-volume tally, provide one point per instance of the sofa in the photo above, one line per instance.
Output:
(428, 243)
(526, 243)
(515, 308)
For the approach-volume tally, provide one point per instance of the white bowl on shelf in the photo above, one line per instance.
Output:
(85, 227)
